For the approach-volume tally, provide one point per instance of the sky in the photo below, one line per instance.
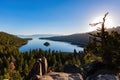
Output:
(54, 16)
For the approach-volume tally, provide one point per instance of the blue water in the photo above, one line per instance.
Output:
(54, 45)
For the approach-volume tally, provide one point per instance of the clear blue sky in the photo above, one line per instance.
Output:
(54, 16)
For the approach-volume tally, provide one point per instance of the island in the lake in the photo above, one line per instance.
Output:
(46, 43)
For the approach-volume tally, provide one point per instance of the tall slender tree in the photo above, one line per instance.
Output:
(100, 38)
(107, 44)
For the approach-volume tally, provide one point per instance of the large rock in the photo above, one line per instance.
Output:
(100, 71)
(94, 66)
(44, 65)
(38, 69)
(107, 77)
(103, 75)
(70, 68)
(62, 76)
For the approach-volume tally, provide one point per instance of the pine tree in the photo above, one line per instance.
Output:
(105, 44)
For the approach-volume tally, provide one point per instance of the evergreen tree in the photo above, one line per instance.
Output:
(104, 44)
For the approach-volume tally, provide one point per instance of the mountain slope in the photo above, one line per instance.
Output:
(8, 39)
(77, 39)
(80, 39)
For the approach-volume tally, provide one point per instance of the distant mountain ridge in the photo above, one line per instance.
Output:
(77, 39)
(36, 35)
(114, 29)
(80, 39)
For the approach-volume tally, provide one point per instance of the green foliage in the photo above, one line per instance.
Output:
(89, 57)
(110, 51)
(9, 42)
(16, 76)
(8, 39)
(24, 61)
(6, 76)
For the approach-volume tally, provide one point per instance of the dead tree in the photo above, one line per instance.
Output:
(100, 36)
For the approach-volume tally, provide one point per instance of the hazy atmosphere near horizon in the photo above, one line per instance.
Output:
(55, 16)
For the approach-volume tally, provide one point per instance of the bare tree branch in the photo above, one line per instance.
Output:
(94, 24)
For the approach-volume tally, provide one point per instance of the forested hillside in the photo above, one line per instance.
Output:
(80, 39)
(77, 39)
(8, 39)
(9, 42)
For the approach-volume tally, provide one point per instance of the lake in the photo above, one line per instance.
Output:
(36, 43)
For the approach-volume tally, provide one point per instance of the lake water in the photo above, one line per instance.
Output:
(54, 45)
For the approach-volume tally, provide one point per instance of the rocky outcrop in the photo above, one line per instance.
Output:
(39, 69)
(95, 66)
(44, 65)
(62, 76)
(100, 71)
(103, 75)
(70, 68)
